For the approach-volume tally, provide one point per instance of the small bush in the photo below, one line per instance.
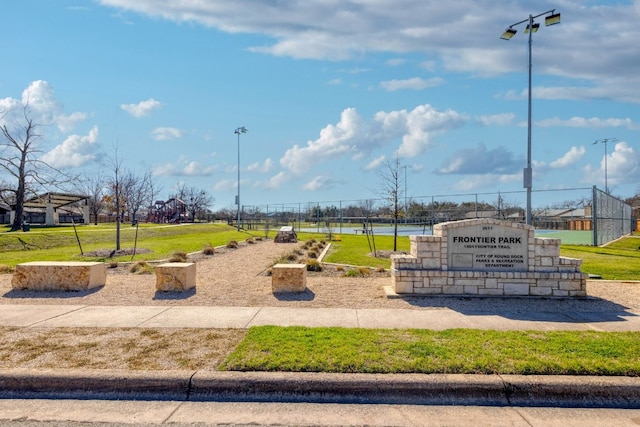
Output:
(112, 264)
(339, 268)
(259, 239)
(5, 269)
(350, 273)
(358, 272)
(178, 257)
(313, 265)
(312, 254)
(141, 267)
(364, 271)
(292, 256)
(250, 240)
(208, 250)
(232, 244)
(380, 270)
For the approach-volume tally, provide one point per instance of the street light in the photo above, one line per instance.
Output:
(605, 140)
(239, 131)
(552, 18)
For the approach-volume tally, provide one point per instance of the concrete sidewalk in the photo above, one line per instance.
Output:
(494, 390)
(437, 318)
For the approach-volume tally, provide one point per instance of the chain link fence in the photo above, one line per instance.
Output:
(611, 218)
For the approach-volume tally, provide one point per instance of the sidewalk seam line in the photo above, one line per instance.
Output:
(139, 325)
(56, 316)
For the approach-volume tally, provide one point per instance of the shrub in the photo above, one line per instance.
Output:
(140, 267)
(312, 254)
(113, 264)
(5, 268)
(259, 239)
(178, 257)
(358, 272)
(208, 250)
(232, 244)
(380, 270)
(350, 273)
(292, 256)
(313, 265)
(250, 240)
(339, 268)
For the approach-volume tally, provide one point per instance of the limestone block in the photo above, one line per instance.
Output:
(541, 291)
(59, 275)
(175, 276)
(403, 286)
(289, 278)
(516, 289)
(492, 291)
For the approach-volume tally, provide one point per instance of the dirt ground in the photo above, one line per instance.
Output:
(233, 277)
(237, 277)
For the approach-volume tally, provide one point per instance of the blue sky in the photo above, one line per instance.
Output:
(329, 91)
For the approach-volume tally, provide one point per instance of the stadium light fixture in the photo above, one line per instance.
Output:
(552, 18)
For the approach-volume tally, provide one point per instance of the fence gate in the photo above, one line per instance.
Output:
(611, 217)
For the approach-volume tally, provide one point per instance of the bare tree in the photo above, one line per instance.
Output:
(114, 199)
(390, 190)
(137, 192)
(19, 149)
(195, 200)
(95, 188)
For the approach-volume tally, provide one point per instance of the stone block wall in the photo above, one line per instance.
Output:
(426, 270)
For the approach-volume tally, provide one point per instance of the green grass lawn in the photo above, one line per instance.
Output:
(454, 351)
(60, 243)
(619, 260)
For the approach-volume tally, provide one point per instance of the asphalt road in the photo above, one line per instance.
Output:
(105, 413)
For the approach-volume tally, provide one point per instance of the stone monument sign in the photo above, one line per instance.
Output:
(486, 257)
(491, 247)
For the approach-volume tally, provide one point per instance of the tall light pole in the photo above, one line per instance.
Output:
(605, 140)
(532, 27)
(239, 131)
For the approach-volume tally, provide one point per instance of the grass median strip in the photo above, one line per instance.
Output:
(459, 351)
(300, 349)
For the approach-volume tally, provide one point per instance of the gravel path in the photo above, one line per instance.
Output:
(236, 278)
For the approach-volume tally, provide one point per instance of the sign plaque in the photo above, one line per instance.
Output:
(489, 247)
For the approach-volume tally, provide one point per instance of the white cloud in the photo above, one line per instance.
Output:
(395, 62)
(265, 167)
(319, 183)
(141, 109)
(375, 163)
(593, 122)
(225, 185)
(274, 182)
(75, 151)
(479, 161)
(504, 119)
(571, 157)
(623, 167)
(165, 133)
(182, 167)
(415, 83)
(43, 106)
(476, 182)
(353, 136)
(329, 30)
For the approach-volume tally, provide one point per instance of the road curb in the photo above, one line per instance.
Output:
(429, 389)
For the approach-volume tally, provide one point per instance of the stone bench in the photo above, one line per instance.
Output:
(59, 275)
(175, 276)
(289, 278)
